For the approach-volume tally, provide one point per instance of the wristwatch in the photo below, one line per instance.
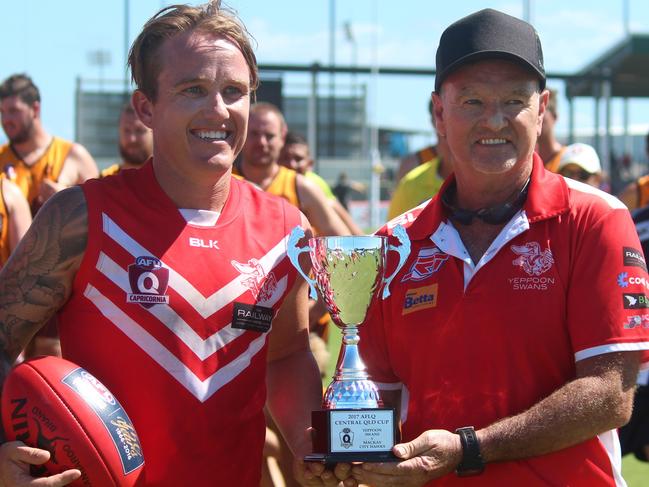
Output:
(472, 463)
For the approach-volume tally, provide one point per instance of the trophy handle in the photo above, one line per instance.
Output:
(404, 251)
(293, 252)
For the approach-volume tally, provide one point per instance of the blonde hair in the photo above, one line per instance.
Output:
(212, 18)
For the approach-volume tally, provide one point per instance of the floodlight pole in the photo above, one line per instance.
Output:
(127, 11)
(332, 79)
(375, 155)
(625, 102)
(527, 11)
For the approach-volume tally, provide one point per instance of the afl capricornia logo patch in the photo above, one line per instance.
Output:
(148, 280)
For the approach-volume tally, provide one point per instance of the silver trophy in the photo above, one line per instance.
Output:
(349, 274)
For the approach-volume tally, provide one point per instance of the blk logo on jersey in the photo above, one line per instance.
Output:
(532, 259)
(254, 277)
(420, 298)
(148, 280)
(428, 262)
(635, 301)
(633, 257)
(204, 244)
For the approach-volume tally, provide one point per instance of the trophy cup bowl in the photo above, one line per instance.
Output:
(349, 274)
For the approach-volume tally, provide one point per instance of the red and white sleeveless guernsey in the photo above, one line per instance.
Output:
(473, 343)
(151, 316)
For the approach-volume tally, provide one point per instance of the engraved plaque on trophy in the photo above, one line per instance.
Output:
(349, 273)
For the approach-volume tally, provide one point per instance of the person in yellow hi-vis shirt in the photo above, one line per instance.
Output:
(421, 183)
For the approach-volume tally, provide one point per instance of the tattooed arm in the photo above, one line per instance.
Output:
(37, 279)
(34, 284)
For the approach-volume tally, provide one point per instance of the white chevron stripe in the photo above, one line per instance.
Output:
(201, 348)
(205, 306)
(201, 389)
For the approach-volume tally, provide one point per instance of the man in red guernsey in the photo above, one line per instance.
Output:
(508, 327)
(170, 285)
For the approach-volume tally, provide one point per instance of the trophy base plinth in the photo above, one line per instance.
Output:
(351, 457)
(353, 435)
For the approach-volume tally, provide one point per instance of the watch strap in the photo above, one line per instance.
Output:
(471, 463)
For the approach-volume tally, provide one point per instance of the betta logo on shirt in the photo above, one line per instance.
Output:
(428, 262)
(420, 298)
(148, 280)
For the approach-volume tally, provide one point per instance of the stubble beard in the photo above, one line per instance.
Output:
(23, 135)
(133, 157)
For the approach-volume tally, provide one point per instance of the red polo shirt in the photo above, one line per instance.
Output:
(477, 342)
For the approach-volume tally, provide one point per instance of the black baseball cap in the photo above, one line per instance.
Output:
(488, 34)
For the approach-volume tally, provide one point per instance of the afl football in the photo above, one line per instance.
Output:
(53, 404)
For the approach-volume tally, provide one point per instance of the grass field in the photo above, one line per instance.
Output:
(635, 472)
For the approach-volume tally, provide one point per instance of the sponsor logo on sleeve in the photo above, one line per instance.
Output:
(635, 301)
(148, 279)
(428, 262)
(633, 257)
(420, 298)
(637, 321)
(624, 280)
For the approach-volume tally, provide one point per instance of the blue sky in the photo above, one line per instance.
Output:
(52, 42)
